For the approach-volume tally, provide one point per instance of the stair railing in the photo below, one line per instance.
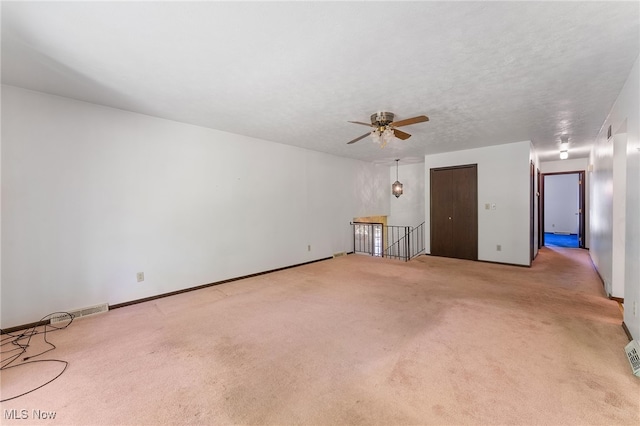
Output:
(403, 242)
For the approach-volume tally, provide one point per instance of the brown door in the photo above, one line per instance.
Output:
(531, 214)
(539, 201)
(581, 204)
(441, 212)
(454, 212)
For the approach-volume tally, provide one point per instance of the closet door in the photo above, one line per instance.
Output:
(465, 212)
(441, 213)
(454, 212)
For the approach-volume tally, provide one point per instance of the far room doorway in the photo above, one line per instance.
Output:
(563, 209)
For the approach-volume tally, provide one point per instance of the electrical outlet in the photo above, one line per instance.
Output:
(498, 247)
(309, 247)
(140, 276)
(487, 206)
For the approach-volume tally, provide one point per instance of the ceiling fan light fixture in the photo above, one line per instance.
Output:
(376, 137)
(382, 135)
(384, 128)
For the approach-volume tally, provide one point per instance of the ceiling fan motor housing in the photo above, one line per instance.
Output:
(381, 118)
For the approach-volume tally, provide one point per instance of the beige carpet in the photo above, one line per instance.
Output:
(353, 340)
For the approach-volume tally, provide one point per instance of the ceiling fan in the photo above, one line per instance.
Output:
(384, 128)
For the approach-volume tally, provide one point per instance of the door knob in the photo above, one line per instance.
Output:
(449, 217)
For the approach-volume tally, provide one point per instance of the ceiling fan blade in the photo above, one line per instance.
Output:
(358, 138)
(414, 120)
(364, 124)
(400, 134)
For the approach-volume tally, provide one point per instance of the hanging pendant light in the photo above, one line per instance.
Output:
(396, 187)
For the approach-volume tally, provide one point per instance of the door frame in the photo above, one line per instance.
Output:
(581, 205)
(539, 201)
(532, 195)
(473, 166)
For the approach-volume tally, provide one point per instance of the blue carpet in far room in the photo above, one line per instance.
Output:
(559, 240)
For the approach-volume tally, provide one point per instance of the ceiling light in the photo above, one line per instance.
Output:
(396, 187)
(384, 128)
(564, 147)
(382, 135)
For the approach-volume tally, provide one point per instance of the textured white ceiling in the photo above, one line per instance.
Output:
(485, 73)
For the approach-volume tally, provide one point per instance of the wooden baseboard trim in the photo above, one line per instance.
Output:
(604, 286)
(172, 293)
(504, 263)
(23, 327)
(626, 331)
(479, 260)
(185, 290)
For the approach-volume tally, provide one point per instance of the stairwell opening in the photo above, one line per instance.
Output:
(373, 237)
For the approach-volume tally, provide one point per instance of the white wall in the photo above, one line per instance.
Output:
(624, 120)
(618, 212)
(561, 166)
(408, 209)
(503, 179)
(91, 195)
(561, 203)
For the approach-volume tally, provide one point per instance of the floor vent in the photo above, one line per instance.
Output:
(633, 353)
(79, 313)
(342, 253)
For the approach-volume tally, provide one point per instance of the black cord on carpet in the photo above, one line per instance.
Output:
(20, 342)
